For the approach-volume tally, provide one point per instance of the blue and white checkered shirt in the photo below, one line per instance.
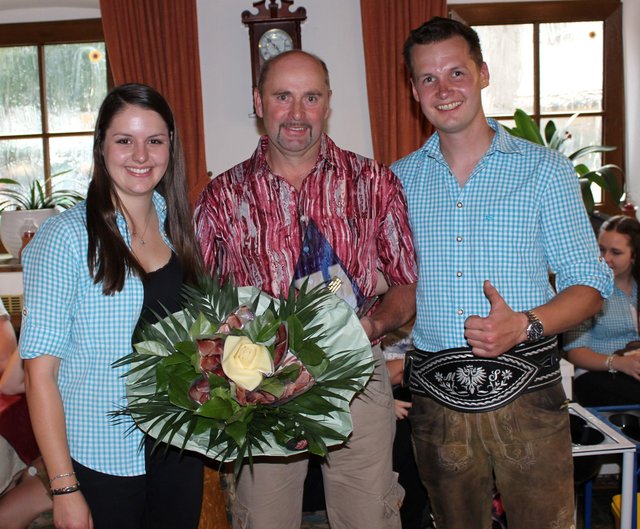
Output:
(67, 316)
(611, 329)
(518, 216)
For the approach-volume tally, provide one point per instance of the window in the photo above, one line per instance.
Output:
(53, 78)
(555, 59)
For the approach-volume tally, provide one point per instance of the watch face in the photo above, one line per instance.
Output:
(535, 331)
(274, 42)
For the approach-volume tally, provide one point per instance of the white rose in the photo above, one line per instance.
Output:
(245, 362)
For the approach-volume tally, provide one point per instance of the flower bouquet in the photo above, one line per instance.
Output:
(237, 373)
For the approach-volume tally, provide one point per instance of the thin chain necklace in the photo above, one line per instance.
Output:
(146, 225)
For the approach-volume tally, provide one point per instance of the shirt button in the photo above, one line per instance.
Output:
(458, 239)
(460, 312)
(306, 249)
(458, 274)
(304, 218)
(459, 205)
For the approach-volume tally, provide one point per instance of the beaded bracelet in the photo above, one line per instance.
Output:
(58, 476)
(66, 490)
(609, 363)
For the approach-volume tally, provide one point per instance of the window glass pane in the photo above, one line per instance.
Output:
(582, 132)
(571, 61)
(19, 91)
(75, 155)
(21, 160)
(507, 123)
(598, 195)
(508, 51)
(76, 77)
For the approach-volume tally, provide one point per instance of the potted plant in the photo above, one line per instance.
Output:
(27, 207)
(608, 176)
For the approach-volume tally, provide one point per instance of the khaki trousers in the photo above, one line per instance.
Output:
(361, 489)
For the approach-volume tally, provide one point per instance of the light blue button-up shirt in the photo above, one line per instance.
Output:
(611, 329)
(67, 316)
(518, 217)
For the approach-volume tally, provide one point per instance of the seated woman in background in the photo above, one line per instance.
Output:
(8, 342)
(603, 347)
(27, 495)
(12, 379)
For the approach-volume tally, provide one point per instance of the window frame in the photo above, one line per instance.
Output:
(610, 13)
(41, 34)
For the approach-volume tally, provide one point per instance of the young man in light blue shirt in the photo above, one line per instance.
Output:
(491, 215)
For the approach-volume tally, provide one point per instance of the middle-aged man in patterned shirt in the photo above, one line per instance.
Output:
(301, 206)
(491, 215)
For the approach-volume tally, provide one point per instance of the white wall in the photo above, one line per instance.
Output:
(631, 35)
(231, 134)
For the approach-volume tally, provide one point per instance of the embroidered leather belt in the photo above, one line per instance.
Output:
(461, 381)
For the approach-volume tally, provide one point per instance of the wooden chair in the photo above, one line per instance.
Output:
(214, 511)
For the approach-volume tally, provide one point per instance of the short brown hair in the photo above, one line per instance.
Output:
(438, 29)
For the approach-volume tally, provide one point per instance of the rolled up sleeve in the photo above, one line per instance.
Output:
(50, 270)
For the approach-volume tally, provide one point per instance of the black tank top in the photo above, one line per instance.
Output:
(162, 289)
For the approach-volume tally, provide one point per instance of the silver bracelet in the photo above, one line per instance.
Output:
(609, 364)
(58, 476)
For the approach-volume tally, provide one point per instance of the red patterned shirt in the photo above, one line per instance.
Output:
(253, 226)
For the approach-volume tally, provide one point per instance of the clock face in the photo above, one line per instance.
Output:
(274, 42)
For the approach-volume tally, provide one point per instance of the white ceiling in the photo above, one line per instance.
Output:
(27, 4)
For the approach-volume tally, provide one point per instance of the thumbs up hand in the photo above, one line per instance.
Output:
(501, 330)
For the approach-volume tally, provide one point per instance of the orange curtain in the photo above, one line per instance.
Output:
(397, 124)
(155, 42)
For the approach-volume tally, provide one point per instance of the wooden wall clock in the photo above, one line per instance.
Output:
(271, 31)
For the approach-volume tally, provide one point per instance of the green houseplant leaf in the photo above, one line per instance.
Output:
(526, 127)
(17, 196)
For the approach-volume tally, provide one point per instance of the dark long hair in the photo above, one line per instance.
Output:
(630, 227)
(109, 258)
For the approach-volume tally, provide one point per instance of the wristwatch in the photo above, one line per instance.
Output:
(535, 329)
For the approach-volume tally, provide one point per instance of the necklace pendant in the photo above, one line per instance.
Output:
(142, 243)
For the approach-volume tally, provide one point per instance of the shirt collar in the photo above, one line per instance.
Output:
(161, 206)
(259, 167)
(502, 141)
